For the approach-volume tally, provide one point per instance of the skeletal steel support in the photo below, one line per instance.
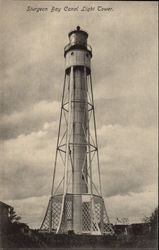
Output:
(76, 201)
(95, 131)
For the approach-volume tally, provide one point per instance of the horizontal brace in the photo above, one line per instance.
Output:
(72, 194)
(61, 146)
(79, 102)
(78, 144)
(56, 195)
(76, 101)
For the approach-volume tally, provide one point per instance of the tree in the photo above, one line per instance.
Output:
(152, 221)
(13, 217)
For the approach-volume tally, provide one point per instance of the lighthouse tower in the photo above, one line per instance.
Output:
(76, 201)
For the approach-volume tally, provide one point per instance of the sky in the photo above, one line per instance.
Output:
(124, 73)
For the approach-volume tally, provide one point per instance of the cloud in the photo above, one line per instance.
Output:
(28, 163)
(128, 157)
(28, 120)
(127, 111)
(133, 206)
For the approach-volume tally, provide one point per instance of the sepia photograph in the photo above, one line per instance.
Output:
(79, 124)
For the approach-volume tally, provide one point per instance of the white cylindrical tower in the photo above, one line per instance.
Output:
(78, 56)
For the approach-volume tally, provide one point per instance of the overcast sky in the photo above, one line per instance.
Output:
(124, 72)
